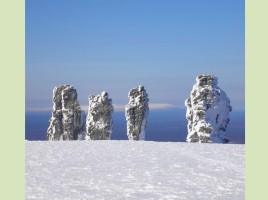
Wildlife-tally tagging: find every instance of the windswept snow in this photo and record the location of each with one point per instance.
(134, 170)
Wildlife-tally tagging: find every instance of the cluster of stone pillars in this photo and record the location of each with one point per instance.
(207, 113)
(65, 123)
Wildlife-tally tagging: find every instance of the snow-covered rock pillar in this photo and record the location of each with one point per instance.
(99, 123)
(208, 110)
(65, 123)
(136, 113)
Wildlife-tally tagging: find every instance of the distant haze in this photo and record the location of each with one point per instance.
(116, 45)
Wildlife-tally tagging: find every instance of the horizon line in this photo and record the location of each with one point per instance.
(117, 107)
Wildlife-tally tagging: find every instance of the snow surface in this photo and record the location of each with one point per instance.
(134, 170)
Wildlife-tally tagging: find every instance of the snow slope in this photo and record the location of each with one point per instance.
(134, 170)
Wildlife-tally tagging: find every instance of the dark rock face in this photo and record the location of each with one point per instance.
(99, 123)
(65, 123)
(208, 110)
(136, 113)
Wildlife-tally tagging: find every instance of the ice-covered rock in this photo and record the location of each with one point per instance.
(136, 113)
(99, 123)
(208, 110)
(65, 123)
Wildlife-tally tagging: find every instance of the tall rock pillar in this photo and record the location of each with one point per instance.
(99, 123)
(208, 110)
(136, 112)
(65, 123)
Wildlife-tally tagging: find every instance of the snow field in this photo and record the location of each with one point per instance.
(134, 170)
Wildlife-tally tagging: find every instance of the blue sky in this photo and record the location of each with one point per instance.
(116, 45)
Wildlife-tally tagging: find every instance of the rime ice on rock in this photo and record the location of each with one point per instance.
(65, 123)
(136, 113)
(99, 123)
(208, 110)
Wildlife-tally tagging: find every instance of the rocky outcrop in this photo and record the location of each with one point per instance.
(208, 110)
(136, 113)
(65, 123)
(99, 119)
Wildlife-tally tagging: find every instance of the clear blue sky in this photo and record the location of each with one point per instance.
(115, 45)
